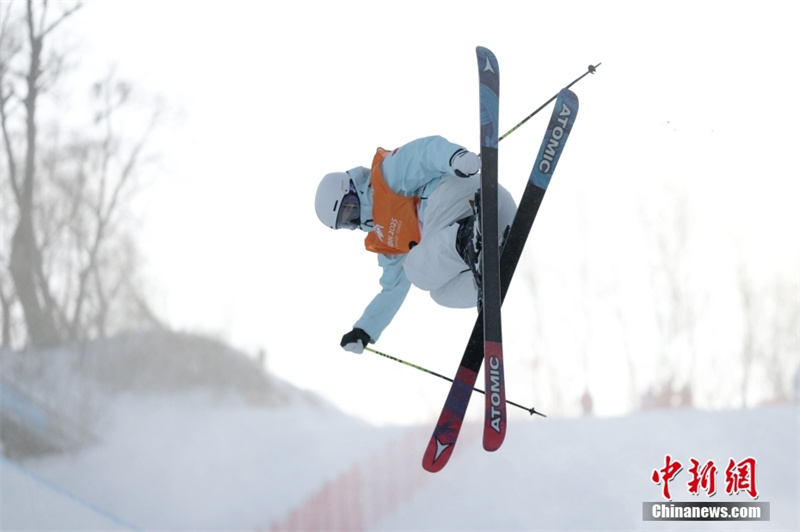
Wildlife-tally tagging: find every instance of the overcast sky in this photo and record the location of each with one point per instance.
(696, 99)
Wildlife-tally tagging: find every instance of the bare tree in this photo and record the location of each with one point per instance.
(96, 182)
(545, 378)
(9, 47)
(617, 309)
(675, 301)
(783, 361)
(770, 336)
(32, 287)
(752, 316)
(72, 265)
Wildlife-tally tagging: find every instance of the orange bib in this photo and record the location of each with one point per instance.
(395, 218)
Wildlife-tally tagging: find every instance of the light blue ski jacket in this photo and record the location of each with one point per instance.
(414, 169)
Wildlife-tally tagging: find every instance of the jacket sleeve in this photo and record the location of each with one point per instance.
(383, 307)
(416, 168)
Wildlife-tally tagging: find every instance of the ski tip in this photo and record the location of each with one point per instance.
(568, 96)
(437, 455)
(486, 53)
(488, 67)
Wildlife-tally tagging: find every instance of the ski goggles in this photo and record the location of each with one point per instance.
(349, 214)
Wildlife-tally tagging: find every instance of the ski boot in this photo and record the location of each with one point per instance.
(468, 243)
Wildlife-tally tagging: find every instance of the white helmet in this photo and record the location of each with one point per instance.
(337, 202)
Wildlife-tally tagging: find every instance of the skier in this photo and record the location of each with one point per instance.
(417, 204)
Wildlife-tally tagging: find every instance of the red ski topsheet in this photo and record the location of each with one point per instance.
(441, 445)
(494, 428)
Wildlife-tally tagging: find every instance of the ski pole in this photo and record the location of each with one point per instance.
(590, 70)
(530, 410)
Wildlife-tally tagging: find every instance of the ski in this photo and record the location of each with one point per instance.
(494, 428)
(442, 442)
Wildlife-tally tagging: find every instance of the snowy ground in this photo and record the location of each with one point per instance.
(186, 463)
(594, 474)
(194, 460)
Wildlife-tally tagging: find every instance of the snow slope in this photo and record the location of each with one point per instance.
(215, 460)
(594, 474)
(197, 462)
(190, 463)
(183, 433)
(28, 502)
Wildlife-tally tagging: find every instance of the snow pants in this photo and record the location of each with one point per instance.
(434, 265)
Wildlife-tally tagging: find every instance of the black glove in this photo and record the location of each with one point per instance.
(355, 341)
